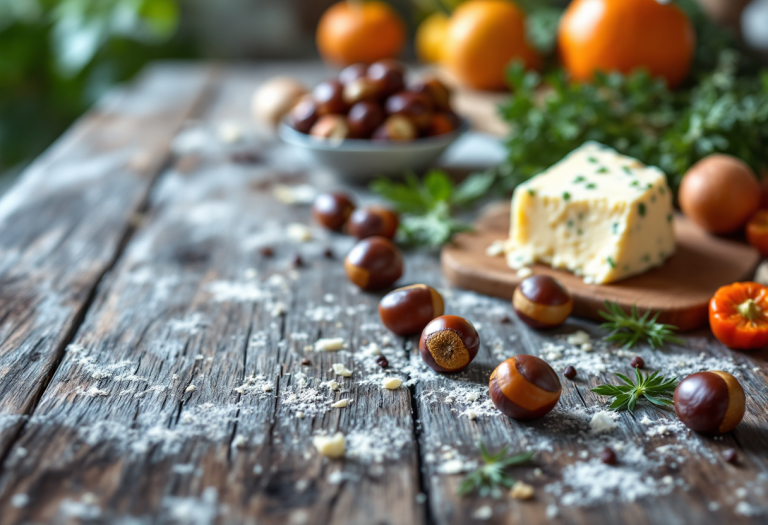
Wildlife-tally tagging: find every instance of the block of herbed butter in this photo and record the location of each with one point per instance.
(599, 214)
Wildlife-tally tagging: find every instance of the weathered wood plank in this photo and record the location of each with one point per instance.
(573, 486)
(115, 435)
(63, 224)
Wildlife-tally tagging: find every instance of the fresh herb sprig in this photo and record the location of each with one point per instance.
(630, 328)
(724, 111)
(428, 206)
(490, 477)
(655, 388)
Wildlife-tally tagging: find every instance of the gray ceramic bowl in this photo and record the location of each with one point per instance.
(361, 160)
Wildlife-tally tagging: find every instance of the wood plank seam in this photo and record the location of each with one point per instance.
(130, 228)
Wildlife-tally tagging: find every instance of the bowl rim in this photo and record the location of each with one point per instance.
(291, 136)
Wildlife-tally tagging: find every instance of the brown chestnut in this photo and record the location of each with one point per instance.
(409, 309)
(542, 302)
(388, 75)
(710, 402)
(364, 118)
(331, 127)
(358, 90)
(524, 387)
(303, 115)
(442, 123)
(415, 106)
(448, 344)
(350, 73)
(329, 97)
(374, 263)
(396, 127)
(332, 210)
(438, 92)
(373, 221)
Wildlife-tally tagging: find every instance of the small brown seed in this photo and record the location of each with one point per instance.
(297, 261)
(569, 372)
(306, 362)
(730, 456)
(266, 251)
(608, 456)
(504, 319)
(328, 253)
(637, 362)
(382, 361)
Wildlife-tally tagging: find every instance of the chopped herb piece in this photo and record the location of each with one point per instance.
(662, 191)
(669, 217)
(592, 159)
(615, 227)
(649, 185)
(627, 170)
(641, 209)
(531, 192)
(570, 223)
(578, 179)
(634, 183)
(629, 328)
(653, 198)
(490, 477)
(646, 258)
(603, 170)
(591, 186)
(655, 388)
(566, 195)
(610, 262)
(581, 216)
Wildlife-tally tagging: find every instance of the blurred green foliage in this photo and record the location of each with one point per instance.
(58, 56)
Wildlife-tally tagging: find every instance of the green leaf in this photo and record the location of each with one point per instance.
(490, 477)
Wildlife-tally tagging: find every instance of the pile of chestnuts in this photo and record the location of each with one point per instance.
(375, 262)
(374, 102)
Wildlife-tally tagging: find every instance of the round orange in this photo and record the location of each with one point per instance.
(355, 31)
(623, 35)
(431, 36)
(484, 37)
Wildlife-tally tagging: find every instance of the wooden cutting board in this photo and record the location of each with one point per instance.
(680, 290)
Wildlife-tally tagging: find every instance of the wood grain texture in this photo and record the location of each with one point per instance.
(680, 289)
(121, 436)
(63, 224)
(120, 430)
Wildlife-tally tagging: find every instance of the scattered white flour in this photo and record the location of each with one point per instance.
(19, 500)
(603, 421)
(193, 511)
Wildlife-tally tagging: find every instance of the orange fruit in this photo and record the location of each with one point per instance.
(430, 37)
(484, 36)
(355, 31)
(623, 35)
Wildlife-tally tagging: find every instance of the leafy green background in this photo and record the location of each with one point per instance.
(58, 56)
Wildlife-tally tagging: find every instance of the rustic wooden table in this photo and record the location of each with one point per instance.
(151, 355)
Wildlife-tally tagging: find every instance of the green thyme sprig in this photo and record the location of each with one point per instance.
(490, 477)
(655, 388)
(428, 206)
(630, 328)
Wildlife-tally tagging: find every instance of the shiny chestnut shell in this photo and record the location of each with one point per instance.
(359, 90)
(332, 210)
(396, 127)
(388, 75)
(351, 72)
(329, 97)
(303, 115)
(409, 309)
(374, 263)
(364, 118)
(524, 387)
(448, 344)
(373, 221)
(415, 106)
(435, 90)
(542, 302)
(710, 402)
